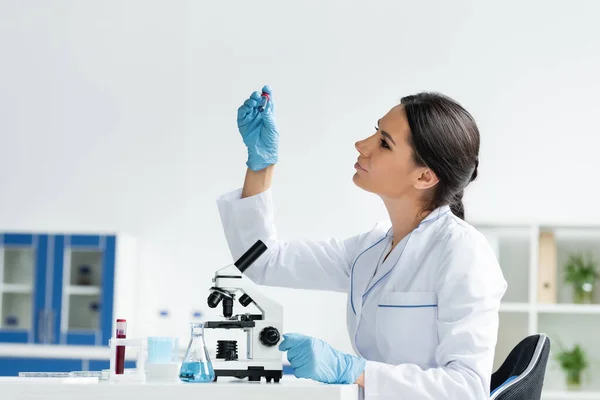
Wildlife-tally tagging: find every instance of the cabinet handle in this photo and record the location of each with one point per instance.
(51, 325)
(41, 331)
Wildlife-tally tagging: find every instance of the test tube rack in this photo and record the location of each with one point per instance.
(132, 374)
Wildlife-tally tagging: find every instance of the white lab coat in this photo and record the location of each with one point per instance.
(426, 319)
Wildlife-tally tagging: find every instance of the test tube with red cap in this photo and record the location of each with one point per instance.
(264, 98)
(121, 334)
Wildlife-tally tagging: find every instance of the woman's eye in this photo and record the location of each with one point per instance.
(384, 144)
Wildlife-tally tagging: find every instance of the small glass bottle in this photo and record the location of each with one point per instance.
(196, 365)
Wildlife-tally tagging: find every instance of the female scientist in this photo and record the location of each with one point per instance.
(424, 289)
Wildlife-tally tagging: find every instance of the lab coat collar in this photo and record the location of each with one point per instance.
(397, 255)
(434, 215)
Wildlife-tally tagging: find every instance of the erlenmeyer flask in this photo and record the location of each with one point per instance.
(196, 365)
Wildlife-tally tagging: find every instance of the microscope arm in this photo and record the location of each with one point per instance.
(231, 279)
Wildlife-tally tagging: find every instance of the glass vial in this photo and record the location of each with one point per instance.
(196, 365)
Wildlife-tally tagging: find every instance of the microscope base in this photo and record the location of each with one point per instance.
(254, 374)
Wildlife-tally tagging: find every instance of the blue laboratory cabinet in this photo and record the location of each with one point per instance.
(56, 288)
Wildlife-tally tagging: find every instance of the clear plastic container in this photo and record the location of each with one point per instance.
(162, 349)
(197, 366)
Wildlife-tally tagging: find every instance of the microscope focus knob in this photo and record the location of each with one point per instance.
(269, 336)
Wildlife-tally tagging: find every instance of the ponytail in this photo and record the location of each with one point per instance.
(456, 205)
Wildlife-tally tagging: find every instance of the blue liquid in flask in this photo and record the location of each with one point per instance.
(196, 372)
(196, 366)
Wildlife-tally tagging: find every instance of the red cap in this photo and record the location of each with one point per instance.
(121, 320)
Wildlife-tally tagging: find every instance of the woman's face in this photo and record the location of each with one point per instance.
(385, 165)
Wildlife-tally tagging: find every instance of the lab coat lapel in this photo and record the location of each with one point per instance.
(362, 272)
(405, 257)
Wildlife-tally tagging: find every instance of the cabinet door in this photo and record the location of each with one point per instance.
(23, 268)
(83, 288)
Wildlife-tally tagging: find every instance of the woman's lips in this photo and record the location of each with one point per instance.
(359, 167)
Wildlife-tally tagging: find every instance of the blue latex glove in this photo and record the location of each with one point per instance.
(314, 359)
(258, 131)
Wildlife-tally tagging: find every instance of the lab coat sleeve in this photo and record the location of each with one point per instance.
(469, 291)
(301, 264)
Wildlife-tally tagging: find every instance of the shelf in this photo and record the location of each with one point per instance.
(83, 290)
(574, 234)
(551, 308)
(569, 308)
(16, 288)
(514, 307)
(571, 395)
(528, 262)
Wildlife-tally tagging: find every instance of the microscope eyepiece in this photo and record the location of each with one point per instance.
(251, 255)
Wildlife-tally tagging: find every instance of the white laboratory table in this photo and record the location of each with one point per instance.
(289, 388)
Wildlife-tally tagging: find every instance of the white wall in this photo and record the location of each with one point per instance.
(122, 116)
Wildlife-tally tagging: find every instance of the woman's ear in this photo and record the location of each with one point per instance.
(425, 179)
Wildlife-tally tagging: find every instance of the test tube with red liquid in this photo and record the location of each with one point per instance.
(121, 334)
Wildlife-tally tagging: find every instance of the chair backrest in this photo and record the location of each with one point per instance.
(521, 375)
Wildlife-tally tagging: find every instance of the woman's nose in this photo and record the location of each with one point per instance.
(365, 146)
(361, 146)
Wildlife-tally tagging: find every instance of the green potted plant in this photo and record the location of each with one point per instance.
(581, 272)
(572, 362)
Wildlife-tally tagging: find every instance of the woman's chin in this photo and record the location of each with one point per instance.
(358, 180)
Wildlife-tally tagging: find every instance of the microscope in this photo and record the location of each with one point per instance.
(263, 331)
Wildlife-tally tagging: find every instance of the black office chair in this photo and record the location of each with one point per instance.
(521, 375)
